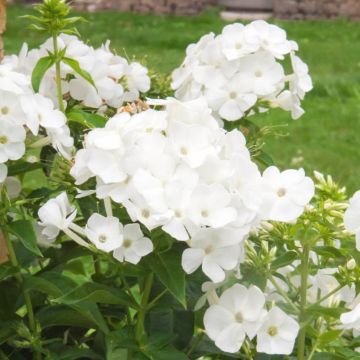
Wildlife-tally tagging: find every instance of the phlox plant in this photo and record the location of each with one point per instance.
(161, 229)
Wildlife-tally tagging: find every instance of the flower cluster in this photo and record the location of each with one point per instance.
(239, 71)
(179, 170)
(21, 112)
(116, 80)
(240, 312)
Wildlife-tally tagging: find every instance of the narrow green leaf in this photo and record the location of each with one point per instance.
(40, 69)
(328, 337)
(98, 293)
(86, 119)
(284, 260)
(74, 64)
(22, 167)
(25, 232)
(167, 267)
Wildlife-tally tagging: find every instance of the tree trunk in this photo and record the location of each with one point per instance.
(2, 26)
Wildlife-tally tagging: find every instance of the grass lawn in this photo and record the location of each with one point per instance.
(326, 137)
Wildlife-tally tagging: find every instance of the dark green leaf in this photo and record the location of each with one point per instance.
(40, 69)
(96, 293)
(284, 260)
(74, 64)
(86, 119)
(22, 167)
(167, 267)
(24, 231)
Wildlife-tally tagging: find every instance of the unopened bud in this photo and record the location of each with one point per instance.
(351, 264)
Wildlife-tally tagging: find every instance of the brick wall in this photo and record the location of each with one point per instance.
(177, 7)
(316, 9)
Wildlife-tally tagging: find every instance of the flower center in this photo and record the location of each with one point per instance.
(281, 192)
(239, 317)
(178, 213)
(238, 46)
(183, 150)
(232, 95)
(5, 110)
(102, 238)
(272, 331)
(40, 117)
(258, 73)
(145, 213)
(204, 213)
(3, 139)
(209, 249)
(127, 243)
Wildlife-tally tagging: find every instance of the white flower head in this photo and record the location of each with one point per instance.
(237, 314)
(285, 194)
(106, 233)
(55, 215)
(12, 141)
(352, 217)
(215, 250)
(135, 245)
(277, 333)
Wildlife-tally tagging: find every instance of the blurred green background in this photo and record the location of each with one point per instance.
(326, 138)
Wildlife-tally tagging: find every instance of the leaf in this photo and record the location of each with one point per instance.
(167, 267)
(97, 293)
(40, 69)
(62, 315)
(328, 251)
(328, 337)
(74, 64)
(326, 311)
(86, 119)
(284, 260)
(264, 159)
(74, 354)
(24, 231)
(22, 167)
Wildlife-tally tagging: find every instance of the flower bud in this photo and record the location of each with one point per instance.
(351, 264)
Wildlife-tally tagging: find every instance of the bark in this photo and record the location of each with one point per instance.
(3, 249)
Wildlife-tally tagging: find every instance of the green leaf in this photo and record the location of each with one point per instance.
(74, 64)
(22, 167)
(328, 337)
(24, 231)
(98, 293)
(86, 119)
(167, 267)
(284, 260)
(326, 311)
(62, 315)
(264, 159)
(40, 69)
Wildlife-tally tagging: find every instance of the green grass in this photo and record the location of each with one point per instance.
(327, 136)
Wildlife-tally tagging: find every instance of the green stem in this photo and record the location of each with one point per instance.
(27, 298)
(303, 296)
(195, 343)
(332, 292)
(282, 293)
(58, 73)
(156, 299)
(139, 332)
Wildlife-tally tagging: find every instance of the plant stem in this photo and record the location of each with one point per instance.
(195, 343)
(58, 73)
(139, 332)
(303, 296)
(27, 298)
(156, 299)
(332, 292)
(282, 293)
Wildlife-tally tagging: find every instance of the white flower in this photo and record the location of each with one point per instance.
(61, 140)
(302, 83)
(260, 73)
(351, 319)
(210, 206)
(11, 81)
(352, 217)
(285, 194)
(215, 250)
(39, 111)
(12, 140)
(55, 215)
(10, 108)
(106, 233)
(277, 333)
(3, 172)
(137, 80)
(238, 40)
(237, 314)
(134, 246)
